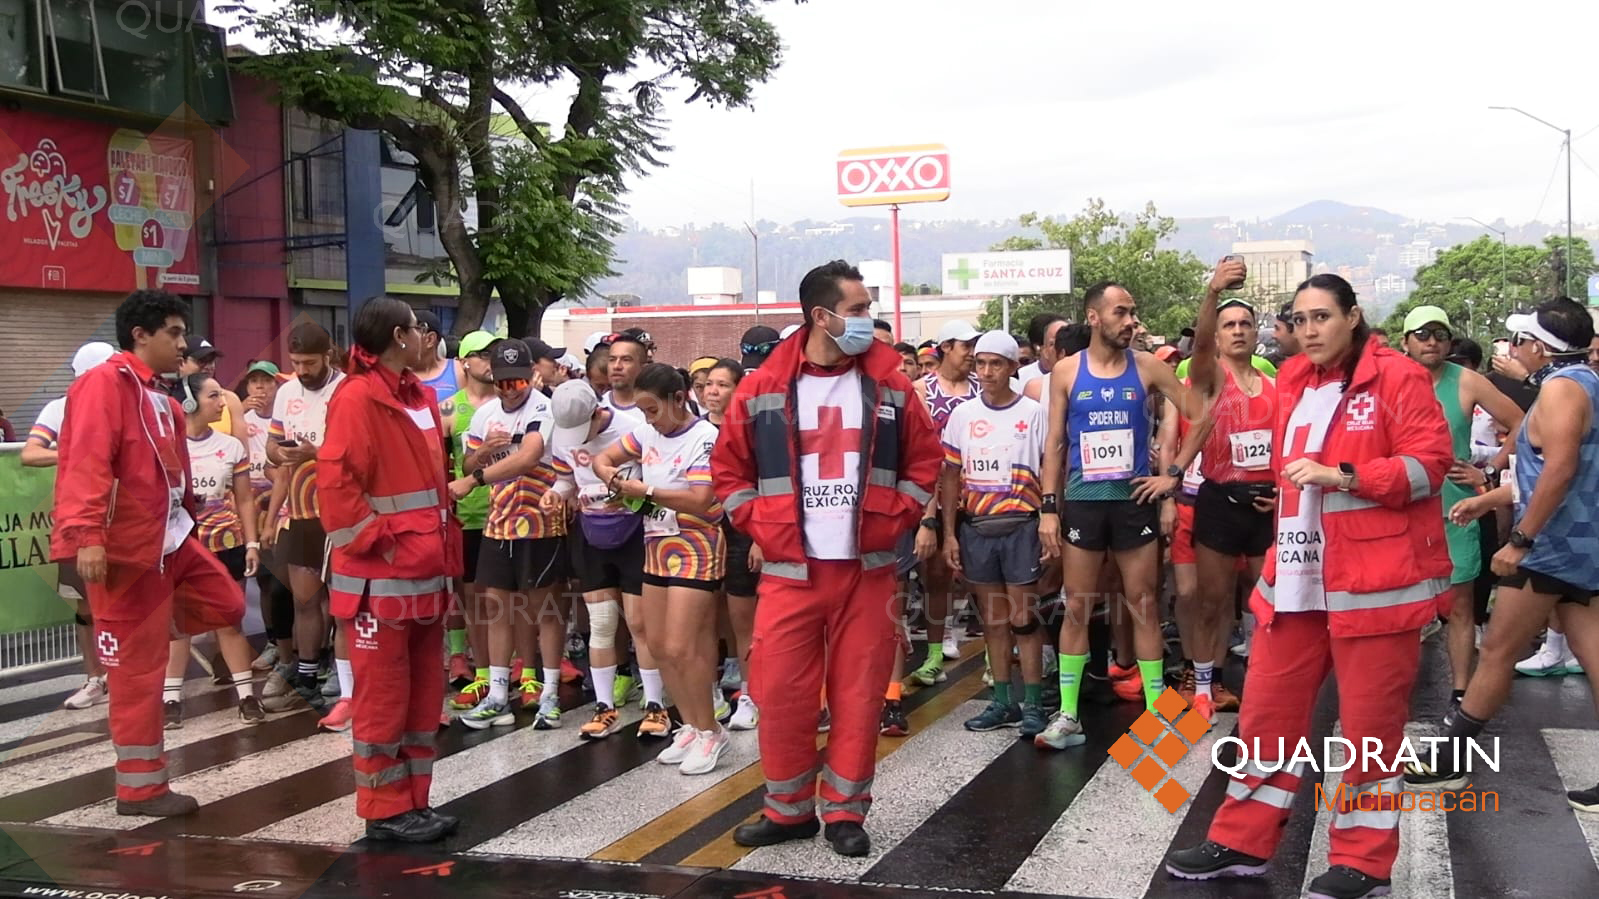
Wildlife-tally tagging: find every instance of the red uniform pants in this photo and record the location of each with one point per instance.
(136, 611)
(399, 691)
(1287, 663)
(841, 628)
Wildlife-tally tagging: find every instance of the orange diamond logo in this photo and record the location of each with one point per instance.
(1157, 741)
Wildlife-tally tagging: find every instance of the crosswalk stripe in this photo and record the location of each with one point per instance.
(589, 822)
(200, 697)
(17, 694)
(335, 823)
(38, 747)
(1115, 862)
(1576, 756)
(724, 853)
(935, 761)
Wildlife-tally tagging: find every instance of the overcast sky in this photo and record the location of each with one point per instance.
(1244, 109)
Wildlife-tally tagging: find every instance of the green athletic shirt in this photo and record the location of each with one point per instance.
(1465, 548)
(474, 509)
(1261, 363)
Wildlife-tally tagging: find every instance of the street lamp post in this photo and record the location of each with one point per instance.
(755, 238)
(1502, 279)
(1567, 133)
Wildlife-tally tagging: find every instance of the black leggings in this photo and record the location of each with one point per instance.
(1488, 533)
(276, 599)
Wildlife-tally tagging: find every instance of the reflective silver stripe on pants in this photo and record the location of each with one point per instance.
(391, 774)
(141, 778)
(794, 571)
(1339, 501)
(346, 536)
(1270, 795)
(870, 561)
(139, 753)
(780, 486)
(373, 750)
(1420, 487)
(791, 809)
(404, 502)
(419, 738)
(1339, 601)
(855, 806)
(738, 498)
(386, 586)
(419, 767)
(1379, 819)
(922, 497)
(1253, 768)
(844, 785)
(793, 784)
(764, 402)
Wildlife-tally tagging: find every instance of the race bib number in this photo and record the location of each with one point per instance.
(1251, 449)
(1192, 478)
(1509, 479)
(1107, 455)
(661, 522)
(987, 469)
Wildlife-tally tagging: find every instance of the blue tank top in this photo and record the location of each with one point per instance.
(1568, 545)
(444, 389)
(1107, 427)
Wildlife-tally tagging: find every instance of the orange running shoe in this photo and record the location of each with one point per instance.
(338, 718)
(460, 668)
(1127, 683)
(1225, 699)
(1204, 707)
(1185, 685)
(470, 695)
(570, 673)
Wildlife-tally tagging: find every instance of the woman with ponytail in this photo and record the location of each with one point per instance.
(1359, 565)
(395, 544)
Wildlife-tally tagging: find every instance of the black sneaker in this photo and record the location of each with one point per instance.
(1210, 860)
(1584, 800)
(894, 722)
(250, 711)
(1344, 882)
(848, 838)
(763, 831)
(308, 689)
(1420, 776)
(172, 714)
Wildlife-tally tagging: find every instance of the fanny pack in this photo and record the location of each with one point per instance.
(609, 530)
(999, 525)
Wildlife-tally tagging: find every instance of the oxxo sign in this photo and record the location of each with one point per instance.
(882, 176)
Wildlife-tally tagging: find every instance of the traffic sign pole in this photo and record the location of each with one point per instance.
(893, 210)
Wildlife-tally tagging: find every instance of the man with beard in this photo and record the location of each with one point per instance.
(1099, 426)
(1427, 339)
(299, 425)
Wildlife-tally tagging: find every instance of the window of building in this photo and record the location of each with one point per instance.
(426, 220)
(300, 175)
(21, 44)
(146, 66)
(74, 38)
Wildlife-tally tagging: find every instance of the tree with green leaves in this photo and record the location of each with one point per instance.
(1107, 246)
(440, 77)
(1481, 282)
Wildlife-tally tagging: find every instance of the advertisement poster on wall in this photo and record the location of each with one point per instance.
(94, 207)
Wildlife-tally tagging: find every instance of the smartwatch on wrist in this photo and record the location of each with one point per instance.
(1172, 471)
(1346, 474)
(477, 475)
(930, 523)
(1520, 540)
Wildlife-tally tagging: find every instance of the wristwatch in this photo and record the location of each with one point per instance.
(477, 475)
(649, 492)
(1346, 474)
(1172, 471)
(1520, 540)
(930, 523)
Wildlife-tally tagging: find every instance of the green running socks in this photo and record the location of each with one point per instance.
(1032, 694)
(1002, 693)
(457, 640)
(1071, 682)
(1154, 675)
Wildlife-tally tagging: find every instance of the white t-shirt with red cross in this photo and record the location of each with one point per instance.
(828, 408)
(1301, 540)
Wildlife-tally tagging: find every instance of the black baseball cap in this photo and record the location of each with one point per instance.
(756, 344)
(429, 321)
(510, 360)
(200, 348)
(542, 350)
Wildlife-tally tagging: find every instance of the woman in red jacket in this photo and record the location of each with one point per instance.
(1358, 567)
(380, 477)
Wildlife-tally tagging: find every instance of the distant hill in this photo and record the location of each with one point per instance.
(1332, 212)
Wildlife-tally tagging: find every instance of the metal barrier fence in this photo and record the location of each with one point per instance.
(35, 626)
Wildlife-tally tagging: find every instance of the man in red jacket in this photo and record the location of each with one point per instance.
(826, 439)
(123, 513)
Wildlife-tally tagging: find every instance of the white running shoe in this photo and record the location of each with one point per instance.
(486, 714)
(720, 706)
(1543, 663)
(93, 692)
(266, 659)
(682, 740)
(549, 714)
(705, 752)
(952, 645)
(746, 716)
(732, 676)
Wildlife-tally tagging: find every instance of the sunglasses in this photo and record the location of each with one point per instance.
(512, 384)
(759, 349)
(1438, 333)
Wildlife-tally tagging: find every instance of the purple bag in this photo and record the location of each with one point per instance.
(609, 530)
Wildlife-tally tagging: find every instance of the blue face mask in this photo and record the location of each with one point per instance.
(858, 334)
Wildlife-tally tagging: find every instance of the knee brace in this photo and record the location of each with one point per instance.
(1022, 630)
(604, 617)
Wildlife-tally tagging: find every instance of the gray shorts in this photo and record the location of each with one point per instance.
(1010, 560)
(905, 554)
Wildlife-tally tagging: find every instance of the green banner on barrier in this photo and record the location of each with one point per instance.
(28, 596)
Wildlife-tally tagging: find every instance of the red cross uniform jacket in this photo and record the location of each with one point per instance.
(381, 484)
(120, 461)
(756, 471)
(1385, 565)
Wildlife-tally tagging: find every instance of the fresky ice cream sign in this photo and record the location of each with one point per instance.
(93, 207)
